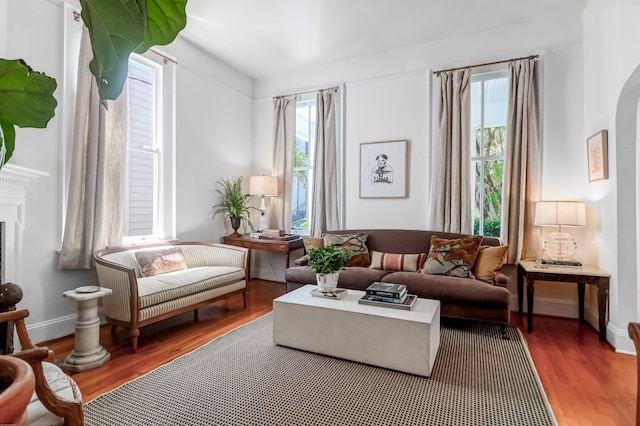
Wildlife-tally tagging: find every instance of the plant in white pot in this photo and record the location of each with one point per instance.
(327, 262)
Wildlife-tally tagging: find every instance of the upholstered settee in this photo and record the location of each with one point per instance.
(467, 298)
(154, 282)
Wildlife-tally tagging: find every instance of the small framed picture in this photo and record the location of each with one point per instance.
(597, 160)
(383, 169)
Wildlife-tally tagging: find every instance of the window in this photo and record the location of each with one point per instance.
(149, 175)
(303, 167)
(489, 100)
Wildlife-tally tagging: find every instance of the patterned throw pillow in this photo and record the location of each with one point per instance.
(452, 257)
(154, 262)
(312, 243)
(490, 259)
(356, 242)
(397, 262)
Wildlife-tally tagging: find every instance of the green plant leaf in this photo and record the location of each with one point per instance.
(8, 139)
(165, 19)
(116, 28)
(26, 96)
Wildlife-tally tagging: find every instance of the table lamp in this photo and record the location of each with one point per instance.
(264, 186)
(560, 245)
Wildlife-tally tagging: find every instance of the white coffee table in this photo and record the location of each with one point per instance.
(400, 340)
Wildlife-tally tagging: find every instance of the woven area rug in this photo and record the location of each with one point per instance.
(243, 378)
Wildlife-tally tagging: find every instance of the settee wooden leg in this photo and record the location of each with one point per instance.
(113, 328)
(244, 299)
(503, 331)
(195, 315)
(134, 333)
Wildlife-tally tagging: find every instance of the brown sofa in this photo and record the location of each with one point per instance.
(460, 297)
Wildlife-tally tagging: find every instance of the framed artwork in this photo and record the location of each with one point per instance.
(597, 156)
(383, 169)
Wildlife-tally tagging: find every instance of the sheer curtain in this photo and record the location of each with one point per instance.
(450, 197)
(325, 186)
(522, 165)
(96, 184)
(283, 160)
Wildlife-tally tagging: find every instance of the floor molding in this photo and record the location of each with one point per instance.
(54, 328)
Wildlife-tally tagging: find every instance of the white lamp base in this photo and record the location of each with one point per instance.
(560, 246)
(262, 224)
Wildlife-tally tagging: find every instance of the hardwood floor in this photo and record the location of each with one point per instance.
(587, 383)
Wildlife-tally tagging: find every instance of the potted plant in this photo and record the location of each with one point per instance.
(327, 262)
(233, 204)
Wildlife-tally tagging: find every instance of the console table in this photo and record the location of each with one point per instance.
(530, 271)
(281, 246)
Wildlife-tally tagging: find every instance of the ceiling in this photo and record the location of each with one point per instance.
(263, 37)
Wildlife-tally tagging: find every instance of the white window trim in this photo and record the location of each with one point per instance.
(166, 221)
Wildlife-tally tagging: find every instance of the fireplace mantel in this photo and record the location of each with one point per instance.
(13, 183)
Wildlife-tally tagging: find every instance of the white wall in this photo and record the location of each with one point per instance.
(611, 58)
(213, 140)
(388, 97)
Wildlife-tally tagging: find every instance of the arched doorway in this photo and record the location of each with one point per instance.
(628, 182)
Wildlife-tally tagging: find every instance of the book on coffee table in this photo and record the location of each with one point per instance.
(338, 293)
(408, 304)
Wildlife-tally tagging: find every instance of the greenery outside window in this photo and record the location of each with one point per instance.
(489, 100)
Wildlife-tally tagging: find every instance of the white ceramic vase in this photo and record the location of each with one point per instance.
(327, 282)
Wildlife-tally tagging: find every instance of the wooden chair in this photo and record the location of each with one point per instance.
(634, 333)
(57, 398)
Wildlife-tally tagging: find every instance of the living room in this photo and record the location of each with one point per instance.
(224, 129)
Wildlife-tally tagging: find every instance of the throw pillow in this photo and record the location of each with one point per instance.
(356, 242)
(397, 262)
(312, 243)
(490, 259)
(154, 262)
(452, 257)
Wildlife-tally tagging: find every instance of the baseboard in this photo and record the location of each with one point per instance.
(553, 307)
(54, 328)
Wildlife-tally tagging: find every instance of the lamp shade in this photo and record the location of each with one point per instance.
(563, 213)
(263, 185)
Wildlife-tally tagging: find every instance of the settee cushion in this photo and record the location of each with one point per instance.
(453, 257)
(173, 285)
(489, 261)
(397, 262)
(451, 289)
(160, 261)
(357, 243)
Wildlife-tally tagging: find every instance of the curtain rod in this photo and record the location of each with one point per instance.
(77, 17)
(487, 63)
(336, 88)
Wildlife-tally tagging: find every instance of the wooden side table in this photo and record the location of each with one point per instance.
(87, 352)
(246, 241)
(530, 271)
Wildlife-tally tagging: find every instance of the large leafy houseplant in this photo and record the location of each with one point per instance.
(232, 203)
(116, 28)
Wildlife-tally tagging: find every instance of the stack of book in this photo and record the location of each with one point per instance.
(559, 263)
(277, 234)
(339, 293)
(388, 295)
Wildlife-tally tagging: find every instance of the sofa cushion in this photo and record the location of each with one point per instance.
(173, 285)
(397, 262)
(160, 261)
(312, 243)
(453, 257)
(357, 278)
(355, 242)
(450, 289)
(489, 261)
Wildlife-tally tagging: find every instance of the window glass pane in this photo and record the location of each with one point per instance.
(303, 167)
(140, 193)
(489, 98)
(299, 200)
